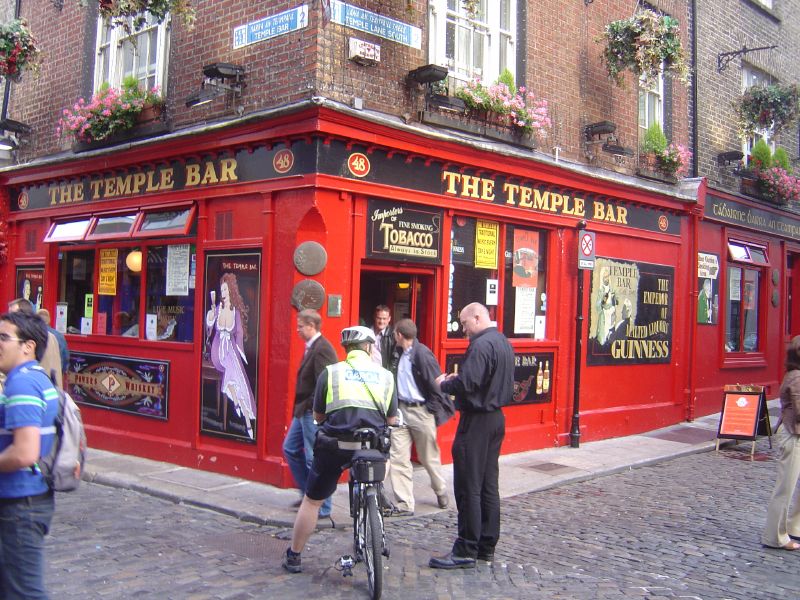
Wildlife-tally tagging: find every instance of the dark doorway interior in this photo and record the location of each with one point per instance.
(406, 294)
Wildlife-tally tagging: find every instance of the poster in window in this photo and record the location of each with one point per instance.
(177, 283)
(462, 241)
(30, 285)
(707, 288)
(229, 374)
(749, 295)
(526, 259)
(630, 319)
(735, 284)
(525, 310)
(486, 236)
(107, 284)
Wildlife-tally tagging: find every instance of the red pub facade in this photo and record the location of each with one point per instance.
(176, 263)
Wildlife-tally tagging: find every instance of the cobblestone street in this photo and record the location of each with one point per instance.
(686, 528)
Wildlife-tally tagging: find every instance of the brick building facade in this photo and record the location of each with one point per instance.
(337, 183)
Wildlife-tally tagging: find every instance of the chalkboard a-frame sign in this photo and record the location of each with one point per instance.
(744, 415)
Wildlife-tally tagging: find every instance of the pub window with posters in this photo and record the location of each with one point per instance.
(128, 286)
(518, 284)
(742, 300)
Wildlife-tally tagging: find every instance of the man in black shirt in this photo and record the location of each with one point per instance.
(484, 384)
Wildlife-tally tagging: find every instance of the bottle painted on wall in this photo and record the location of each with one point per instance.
(539, 380)
(546, 378)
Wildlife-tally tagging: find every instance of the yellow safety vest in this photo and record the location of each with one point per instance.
(345, 387)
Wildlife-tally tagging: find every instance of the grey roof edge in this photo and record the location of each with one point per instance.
(684, 191)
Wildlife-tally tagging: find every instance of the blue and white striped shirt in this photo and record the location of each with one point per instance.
(28, 399)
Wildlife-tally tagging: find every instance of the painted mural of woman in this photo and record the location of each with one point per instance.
(228, 322)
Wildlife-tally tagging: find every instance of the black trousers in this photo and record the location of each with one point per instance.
(476, 450)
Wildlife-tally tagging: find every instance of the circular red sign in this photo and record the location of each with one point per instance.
(663, 222)
(586, 244)
(358, 164)
(283, 161)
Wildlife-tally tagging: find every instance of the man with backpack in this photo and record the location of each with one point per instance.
(28, 409)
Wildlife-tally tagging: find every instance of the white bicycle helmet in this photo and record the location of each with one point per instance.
(357, 335)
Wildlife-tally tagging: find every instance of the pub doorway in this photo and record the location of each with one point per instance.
(408, 294)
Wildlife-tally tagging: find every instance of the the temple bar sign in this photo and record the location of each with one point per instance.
(501, 190)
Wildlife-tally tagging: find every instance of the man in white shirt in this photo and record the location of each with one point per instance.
(384, 336)
(419, 398)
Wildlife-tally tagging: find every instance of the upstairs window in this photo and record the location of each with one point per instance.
(752, 76)
(142, 53)
(480, 45)
(651, 104)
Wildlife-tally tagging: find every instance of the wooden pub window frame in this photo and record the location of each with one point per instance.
(743, 357)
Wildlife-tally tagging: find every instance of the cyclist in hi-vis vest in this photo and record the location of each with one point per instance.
(349, 395)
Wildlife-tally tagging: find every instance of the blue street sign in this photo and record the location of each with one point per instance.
(270, 27)
(369, 22)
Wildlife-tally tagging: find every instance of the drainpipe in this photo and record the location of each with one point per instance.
(695, 143)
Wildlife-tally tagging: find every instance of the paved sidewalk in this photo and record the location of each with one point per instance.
(519, 473)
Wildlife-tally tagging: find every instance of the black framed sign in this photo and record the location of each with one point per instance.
(396, 231)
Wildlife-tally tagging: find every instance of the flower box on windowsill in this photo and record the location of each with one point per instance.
(655, 174)
(477, 124)
(145, 130)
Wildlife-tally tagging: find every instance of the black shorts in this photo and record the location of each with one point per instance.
(327, 468)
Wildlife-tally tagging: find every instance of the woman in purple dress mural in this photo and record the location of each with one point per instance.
(228, 321)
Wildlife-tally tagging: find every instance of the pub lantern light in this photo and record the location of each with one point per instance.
(11, 132)
(727, 158)
(134, 261)
(427, 74)
(218, 78)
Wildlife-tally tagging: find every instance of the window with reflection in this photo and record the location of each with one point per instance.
(525, 283)
(741, 309)
(119, 282)
(170, 299)
(467, 282)
(76, 287)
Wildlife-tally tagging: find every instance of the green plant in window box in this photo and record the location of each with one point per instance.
(120, 11)
(769, 176)
(766, 107)
(109, 111)
(18, 50)
(659, 156)
(643, 44)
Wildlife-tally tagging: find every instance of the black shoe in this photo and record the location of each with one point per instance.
(443, 501)
(291, 561)
(486, 556)
(450, 561)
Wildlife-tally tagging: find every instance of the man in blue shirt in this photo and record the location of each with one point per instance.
(28, 408)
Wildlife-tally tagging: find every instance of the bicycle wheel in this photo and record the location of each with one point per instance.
(373, 540)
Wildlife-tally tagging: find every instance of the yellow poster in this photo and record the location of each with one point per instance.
(108, 272)
(486, 233)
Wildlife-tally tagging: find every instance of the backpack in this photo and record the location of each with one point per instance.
(63, 465)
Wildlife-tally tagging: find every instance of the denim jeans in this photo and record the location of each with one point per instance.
(23, 526)
(298, 448)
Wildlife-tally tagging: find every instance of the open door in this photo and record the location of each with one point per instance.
(408, 294)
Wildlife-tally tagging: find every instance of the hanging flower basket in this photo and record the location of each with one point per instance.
(120, 11)
(767, 107)
(109, 112)
(641, 44)
(18, 50)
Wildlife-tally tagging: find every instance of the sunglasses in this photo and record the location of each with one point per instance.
(4, 337)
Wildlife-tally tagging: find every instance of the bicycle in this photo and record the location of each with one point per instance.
(367, 471)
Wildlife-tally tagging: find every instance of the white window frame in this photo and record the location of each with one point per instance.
(113, 48)
(489, 71)
(753, 76)
(765, 3)
(645, 117)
